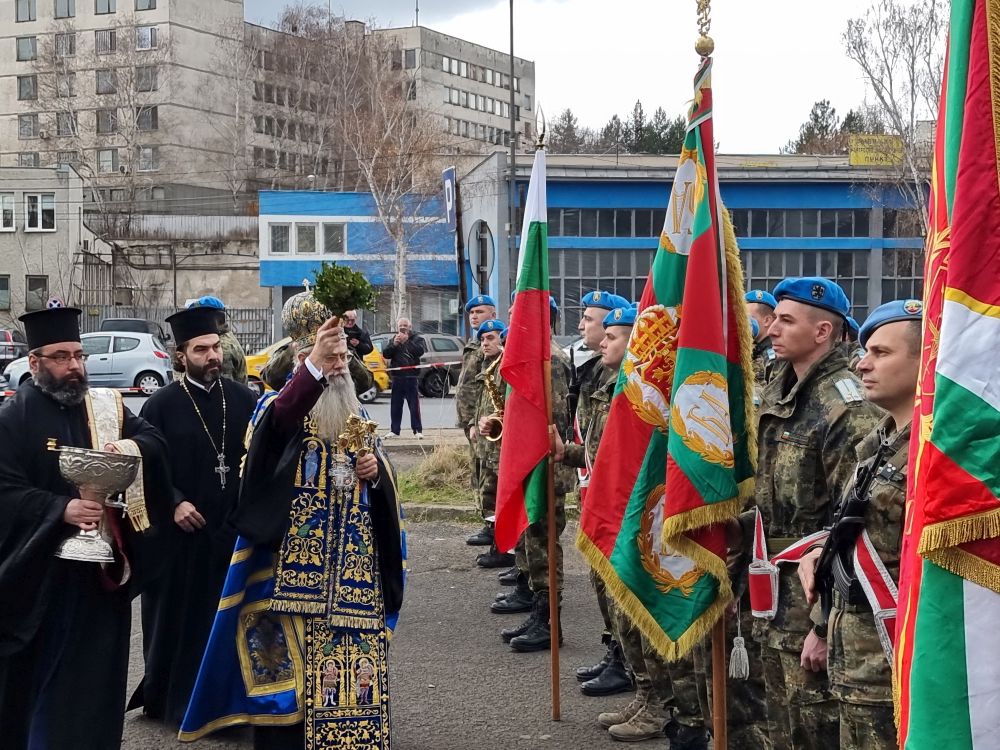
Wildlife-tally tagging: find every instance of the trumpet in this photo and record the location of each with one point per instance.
(494, 422)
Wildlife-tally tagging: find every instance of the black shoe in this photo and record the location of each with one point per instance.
(495, 559)
(507, 634)
(482, 538)
(519, 580)
(508, 577)
(681, 737)
(538, 637)
(518, 600)
(614, 678)
(588, 673)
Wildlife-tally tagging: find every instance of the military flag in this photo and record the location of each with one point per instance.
(947, 674)
(675, 458)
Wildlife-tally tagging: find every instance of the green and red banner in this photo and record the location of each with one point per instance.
(522, 480)
(947, 676)
(675, 458)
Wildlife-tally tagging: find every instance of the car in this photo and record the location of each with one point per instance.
(114, 360)
(444, 351)
(12, 346)
(135, 325)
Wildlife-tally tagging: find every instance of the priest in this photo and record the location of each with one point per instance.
(204, 418)
(300, 642)
(65, 623)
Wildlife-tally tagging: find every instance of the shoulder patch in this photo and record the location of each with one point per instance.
(849, 391)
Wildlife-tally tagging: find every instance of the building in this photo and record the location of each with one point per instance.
(794, 216)
(300, 230)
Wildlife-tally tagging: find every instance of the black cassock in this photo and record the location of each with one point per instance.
(179, 607)
(64, 625)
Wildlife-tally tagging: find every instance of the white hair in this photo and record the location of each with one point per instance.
(337, 402)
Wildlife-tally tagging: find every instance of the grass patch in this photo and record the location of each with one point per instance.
(442, 478)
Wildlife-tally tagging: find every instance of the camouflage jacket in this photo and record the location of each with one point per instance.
(588, 376)
(487, 451)
(234, 359)
(763, 361)
(594, 409)
(565, 477)
(469, 388)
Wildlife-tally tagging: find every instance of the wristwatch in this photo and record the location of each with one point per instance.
(820, 630)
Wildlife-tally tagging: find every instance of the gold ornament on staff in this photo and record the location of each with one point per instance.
(358, 436)
(705, 45)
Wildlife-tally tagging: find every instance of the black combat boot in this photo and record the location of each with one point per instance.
(509, 633)
(538, 636)
(588, 673)
(681, 737)
(509, 576)
(482, 538)
(518, 600)
(495, 559)
(614, 678)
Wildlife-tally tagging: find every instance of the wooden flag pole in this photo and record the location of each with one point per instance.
(719, 684)
(552, 536)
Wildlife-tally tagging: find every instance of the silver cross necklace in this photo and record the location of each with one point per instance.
(220, 451)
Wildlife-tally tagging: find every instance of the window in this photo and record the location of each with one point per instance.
(279, 95)
(66, 84)
(147, 118)
(269, 93)
(454, 66)
(409, 59)
(443, 345)
(67, 157)
(65, 8)
(333, 239)
(36, 292)
(107, 121)
(463, 98)
(148, 158)
(827, 223)
(26, 10)
(5, 292)
(901, 223)
(28, 159)
(104, 6)
(145, 37)
(27, 88)
(279, 238)
(39, 212)
(27, 48)
(463, 70)
(107, 160)
(105, 41)
(305, 238)
(396, 59)
(527, 102)
(623, 223)
(411, 90)
(145, 4)
(65, 45)
(96, 345)
(27, 127)
(7, 212)
(453, 94)
(125, 344)
(146, 78)
(66, 123)
(445, 63)
(107, 81)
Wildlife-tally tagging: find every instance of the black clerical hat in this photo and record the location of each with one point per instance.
(193, 322)
(51, 326)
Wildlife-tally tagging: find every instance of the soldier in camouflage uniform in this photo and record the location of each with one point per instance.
(760, 308)
(467, 393)
(812, 416)
(860, 664)
(852, 348)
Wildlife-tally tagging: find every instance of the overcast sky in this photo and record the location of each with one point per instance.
(772, 61)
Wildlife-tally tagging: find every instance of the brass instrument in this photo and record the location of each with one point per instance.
(495, 421)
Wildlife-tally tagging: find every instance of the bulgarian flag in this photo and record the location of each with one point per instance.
(947, 670)
(675, 456)
(522, 482)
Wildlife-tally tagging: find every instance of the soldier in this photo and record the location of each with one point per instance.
(860, 636)
(234, 359)
(760, 308)
(855, 351)
(812, 416)
(467, 393)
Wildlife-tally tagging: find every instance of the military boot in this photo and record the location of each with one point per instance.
(538, 637)
(645, 724)
(588, 673)
(482, 538)
(495, 559)
(614, 678)
(507, 634)
(609, 718)
(682, 737)
(509, 576)
(518, 600)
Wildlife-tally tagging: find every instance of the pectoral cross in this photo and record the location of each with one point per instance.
(358, 435)
(222, 470)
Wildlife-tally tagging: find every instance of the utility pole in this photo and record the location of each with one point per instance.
(512, 192)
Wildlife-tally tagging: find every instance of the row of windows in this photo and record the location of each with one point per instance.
(105, 43)
(478, 73)
(404, 59)
(106, 122)
(481, 103)
(307, 239)
(108, 161)
(478, 131)
(27, 10)
(287, 96)
(39, 212)
(290, 161)
(106, 81)
(292, 130)
(812, 222)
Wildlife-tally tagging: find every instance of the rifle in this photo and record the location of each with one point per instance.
(848, 523)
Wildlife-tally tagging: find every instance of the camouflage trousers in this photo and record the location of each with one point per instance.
(602, 601)
(486, 495)
(801, 714)
(531, 555)
(662, 686)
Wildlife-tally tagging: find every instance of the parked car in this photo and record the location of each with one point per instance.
(114, 360)
(442, 349)
(135, 325)
(12, 346)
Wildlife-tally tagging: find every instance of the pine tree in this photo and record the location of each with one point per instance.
(565, 137)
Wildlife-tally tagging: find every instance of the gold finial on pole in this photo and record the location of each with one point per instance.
(540, 128)
(705, 45)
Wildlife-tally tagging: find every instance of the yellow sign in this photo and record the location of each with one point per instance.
(875, 150)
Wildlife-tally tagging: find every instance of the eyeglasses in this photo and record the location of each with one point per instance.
(63, 358)
(345, 357)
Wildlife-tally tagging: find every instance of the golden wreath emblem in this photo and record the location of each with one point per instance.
(686, 195)
(649, 364)
(700, 417)
(668, 569)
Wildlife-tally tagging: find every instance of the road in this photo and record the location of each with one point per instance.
(455, 685)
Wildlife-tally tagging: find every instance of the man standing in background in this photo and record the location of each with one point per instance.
(404, 351)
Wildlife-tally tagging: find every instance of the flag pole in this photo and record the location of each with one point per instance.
(719, 684)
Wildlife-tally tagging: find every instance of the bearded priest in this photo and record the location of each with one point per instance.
(300, 641)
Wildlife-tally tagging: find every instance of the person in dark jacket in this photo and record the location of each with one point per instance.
(358, 339)
(405, 350)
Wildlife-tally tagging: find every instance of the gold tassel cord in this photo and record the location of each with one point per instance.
(135, 495)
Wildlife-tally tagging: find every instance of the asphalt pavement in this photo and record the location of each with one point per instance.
(454, 684)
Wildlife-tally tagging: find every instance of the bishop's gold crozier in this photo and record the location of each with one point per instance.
(100, 476)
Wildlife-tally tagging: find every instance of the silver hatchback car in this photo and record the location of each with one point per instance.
(114, 360)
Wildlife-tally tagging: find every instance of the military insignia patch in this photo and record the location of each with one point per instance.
(649, 364)
(818, 291)
(759, 295)
(618, 314)
(595, 297)
(913, 306)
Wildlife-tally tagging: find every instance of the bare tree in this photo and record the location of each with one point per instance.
(899, 48)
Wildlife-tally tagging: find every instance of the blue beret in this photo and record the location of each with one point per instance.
(604, 300)
(815, 291)
(208, 301)
(764, 298)
(552, 304)
(754, 328)
(621, 316)
(491, 325)
(480, 299)
(852, 324)
(890, 312)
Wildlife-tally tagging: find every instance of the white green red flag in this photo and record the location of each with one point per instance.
(522, 481)
(675, 456)
(947, 670)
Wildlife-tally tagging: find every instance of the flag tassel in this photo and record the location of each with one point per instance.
(739, 659)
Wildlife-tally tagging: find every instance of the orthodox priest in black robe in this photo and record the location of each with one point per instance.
(65, 624)
(204, 418)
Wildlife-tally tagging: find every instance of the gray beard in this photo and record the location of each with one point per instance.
(337, 402)
(66, 392)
